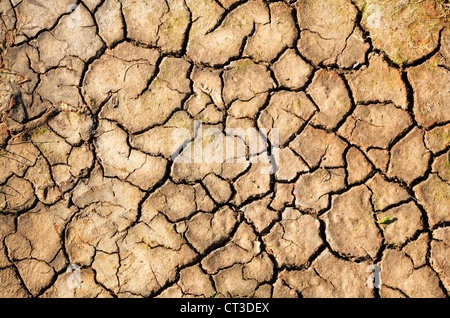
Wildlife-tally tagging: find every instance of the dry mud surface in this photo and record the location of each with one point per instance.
(351, 104)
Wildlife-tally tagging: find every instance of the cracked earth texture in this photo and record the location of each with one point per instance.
(92, 91)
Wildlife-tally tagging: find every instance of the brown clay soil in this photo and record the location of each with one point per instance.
(350, 102)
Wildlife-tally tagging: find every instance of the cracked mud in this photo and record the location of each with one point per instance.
(354, 97)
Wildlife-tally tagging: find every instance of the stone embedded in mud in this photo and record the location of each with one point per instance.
(350, 225)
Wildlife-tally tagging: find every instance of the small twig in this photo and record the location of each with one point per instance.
(39, 121)
(12, 73)
(20, 156)
(29, 142)
(3, 206)
(11, 188)
(14, 159)
(126, 71)
(23, 81)
(11, 103)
